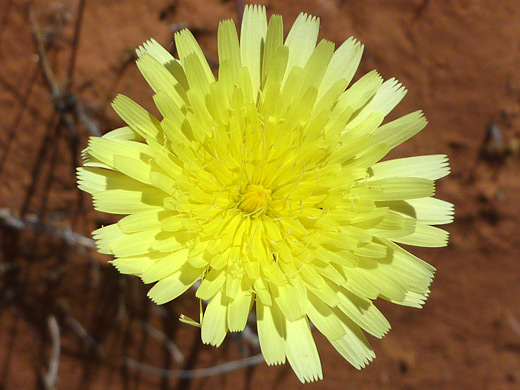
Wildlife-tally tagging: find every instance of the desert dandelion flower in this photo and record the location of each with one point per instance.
(265, 185)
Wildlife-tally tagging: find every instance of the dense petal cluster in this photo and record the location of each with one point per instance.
(265, 185)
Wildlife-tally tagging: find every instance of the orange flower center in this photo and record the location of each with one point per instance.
(255, 199)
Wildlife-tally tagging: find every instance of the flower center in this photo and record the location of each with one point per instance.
(255, 199)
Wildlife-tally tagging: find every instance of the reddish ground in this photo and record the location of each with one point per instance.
(460, 62)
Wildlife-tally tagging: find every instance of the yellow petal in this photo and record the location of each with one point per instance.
(364, 313)
(301, 350)
(134, 244)
(211, 284)
(167, 266)
(273, 41)
(238, 311)
(122, 201)
(301, 40)
(385, 99)
(169, 288)
(317, 64)
(343, 65)
(104, 149)
(214, 324)
(426, 236)
(187, 45)
(145, 220)
(154, 49)
(429, 210)
(228, 46)
(123, 134)
(428, 167)
(137, 169)
(165, 58)
(353, 346)
(400, 188)
(359, 93)
(288, 300)
(195, 75)
(396, 132)
(321, 315)
(271, 333)
(169, 109)
(252, 39)
(160, 79)
(105, 236)
(133, 265)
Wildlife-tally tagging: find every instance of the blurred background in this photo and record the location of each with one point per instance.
(68, 320)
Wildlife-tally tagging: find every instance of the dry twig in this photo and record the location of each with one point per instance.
(32, 223)
(49, 379)
(159, 335)
(65, 104)
(198, 373)
(77, 31)
(251, 337)
(80, 330)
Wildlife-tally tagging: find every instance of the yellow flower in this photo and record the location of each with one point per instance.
(265, 184)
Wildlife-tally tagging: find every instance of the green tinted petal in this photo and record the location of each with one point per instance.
(252, 41)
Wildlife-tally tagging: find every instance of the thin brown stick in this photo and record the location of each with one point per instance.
(61, 100)
(65, 104)
(75, 43)
(87, 120)
(24, 97)
(157, 334)
(80, 330)
(43, 60)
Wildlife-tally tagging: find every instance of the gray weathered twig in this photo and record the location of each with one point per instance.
(49, 379)
(32, 223)
(198, 373)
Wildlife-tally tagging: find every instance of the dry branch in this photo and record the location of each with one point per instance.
(80, 330)
(199, 373)
(159, 335)
(66, 104)
(32, 223)
(49, 379)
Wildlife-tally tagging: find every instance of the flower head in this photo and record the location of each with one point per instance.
(265, 185)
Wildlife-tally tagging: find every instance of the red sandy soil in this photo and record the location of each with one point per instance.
(460, 62)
